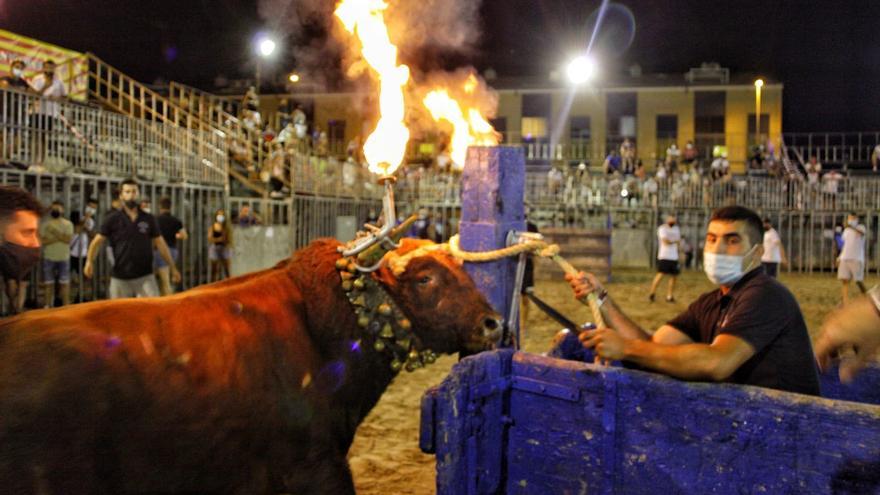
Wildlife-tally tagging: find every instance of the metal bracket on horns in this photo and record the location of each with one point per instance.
(378, 236)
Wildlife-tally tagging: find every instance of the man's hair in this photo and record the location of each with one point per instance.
(57, 203)
(126, 182)
(853, 214)
(17, 61)
(768, 221)
(754, 225)
(13, 199)
(165, 203)
(48, 62)
(91, 201)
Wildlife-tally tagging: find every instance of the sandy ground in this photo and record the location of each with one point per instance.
(385, 457)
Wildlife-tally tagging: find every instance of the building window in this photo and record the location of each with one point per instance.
(336, 134)
(580, 129)
(534, 128)
(536, 110)
(709, 111)
(667, 132)
(621, 115)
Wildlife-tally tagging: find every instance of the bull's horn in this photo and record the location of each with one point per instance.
(374, 253)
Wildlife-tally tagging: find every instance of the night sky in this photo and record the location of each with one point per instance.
(826, 53)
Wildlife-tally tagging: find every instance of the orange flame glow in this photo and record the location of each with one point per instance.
(384, 149)
(469, 126)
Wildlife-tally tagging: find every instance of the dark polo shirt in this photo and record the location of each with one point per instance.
(169, 225)
(761, 311)
(132, 243)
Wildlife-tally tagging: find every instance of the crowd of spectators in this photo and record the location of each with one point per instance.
(43, 115)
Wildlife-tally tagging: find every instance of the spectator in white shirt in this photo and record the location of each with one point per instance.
(47, 109)
(851, 262)
(668, 237)
(774, 253)
(720, 167)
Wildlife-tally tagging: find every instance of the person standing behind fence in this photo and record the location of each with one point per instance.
(19, 241)
(133, 234)
(220, 245)
(851, 262)
(55, 235)
(774, 253)
(48, 110)
(669, 237)
(172, 231)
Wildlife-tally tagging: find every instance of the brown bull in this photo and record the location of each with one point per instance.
(252, 385)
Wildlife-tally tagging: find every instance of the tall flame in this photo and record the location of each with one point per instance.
(384, 149)
(469, 126)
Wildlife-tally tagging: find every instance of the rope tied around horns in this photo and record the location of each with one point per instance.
(398, 263)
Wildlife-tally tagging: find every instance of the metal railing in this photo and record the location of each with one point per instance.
(114, 89)
(681, 192)
(72, 137)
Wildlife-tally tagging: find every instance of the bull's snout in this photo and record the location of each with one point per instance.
(493, 327)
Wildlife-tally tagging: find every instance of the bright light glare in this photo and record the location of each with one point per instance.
(266, 47)
(294, 78)
(759, 83)
(581, 69)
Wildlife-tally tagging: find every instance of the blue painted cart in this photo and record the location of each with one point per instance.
(516, 423)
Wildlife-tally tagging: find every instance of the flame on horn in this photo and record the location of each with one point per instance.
(384, 149)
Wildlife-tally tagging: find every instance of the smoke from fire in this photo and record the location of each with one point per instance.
(324, 51)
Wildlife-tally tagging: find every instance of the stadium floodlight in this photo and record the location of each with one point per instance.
(266, 47)
(581, 69)
(293, 77)
(759, 83)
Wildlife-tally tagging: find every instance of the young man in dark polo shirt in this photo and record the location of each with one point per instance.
(748, 331)
(133, 234)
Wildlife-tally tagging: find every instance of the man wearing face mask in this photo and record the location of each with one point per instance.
(748, 331)
(16, 79)
(20, 247)
(55, 234)
(133, 235)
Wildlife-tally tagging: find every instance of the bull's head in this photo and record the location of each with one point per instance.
(447, 312)
(419, 301)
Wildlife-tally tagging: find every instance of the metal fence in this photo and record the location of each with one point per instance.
(68, 137)
(193, 204)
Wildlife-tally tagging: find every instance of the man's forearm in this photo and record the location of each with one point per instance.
(615, 319)
(687, 361)
(94, 247)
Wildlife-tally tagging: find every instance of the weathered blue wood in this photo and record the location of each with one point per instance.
(629, 432)
(865, 388)
(492, 204)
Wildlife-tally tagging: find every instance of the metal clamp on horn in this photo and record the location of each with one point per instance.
(369, 249)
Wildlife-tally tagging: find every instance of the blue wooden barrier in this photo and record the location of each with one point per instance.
(492, 204)
(519, 423)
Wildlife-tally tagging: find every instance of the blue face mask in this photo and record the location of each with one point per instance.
(725, 269)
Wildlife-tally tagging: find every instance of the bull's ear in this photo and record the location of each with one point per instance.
(372, 255)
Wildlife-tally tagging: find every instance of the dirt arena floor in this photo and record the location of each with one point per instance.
(385, 457)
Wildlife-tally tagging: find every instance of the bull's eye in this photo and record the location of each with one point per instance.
(425, 280)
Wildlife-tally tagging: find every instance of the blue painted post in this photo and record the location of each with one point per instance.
(492, 204)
